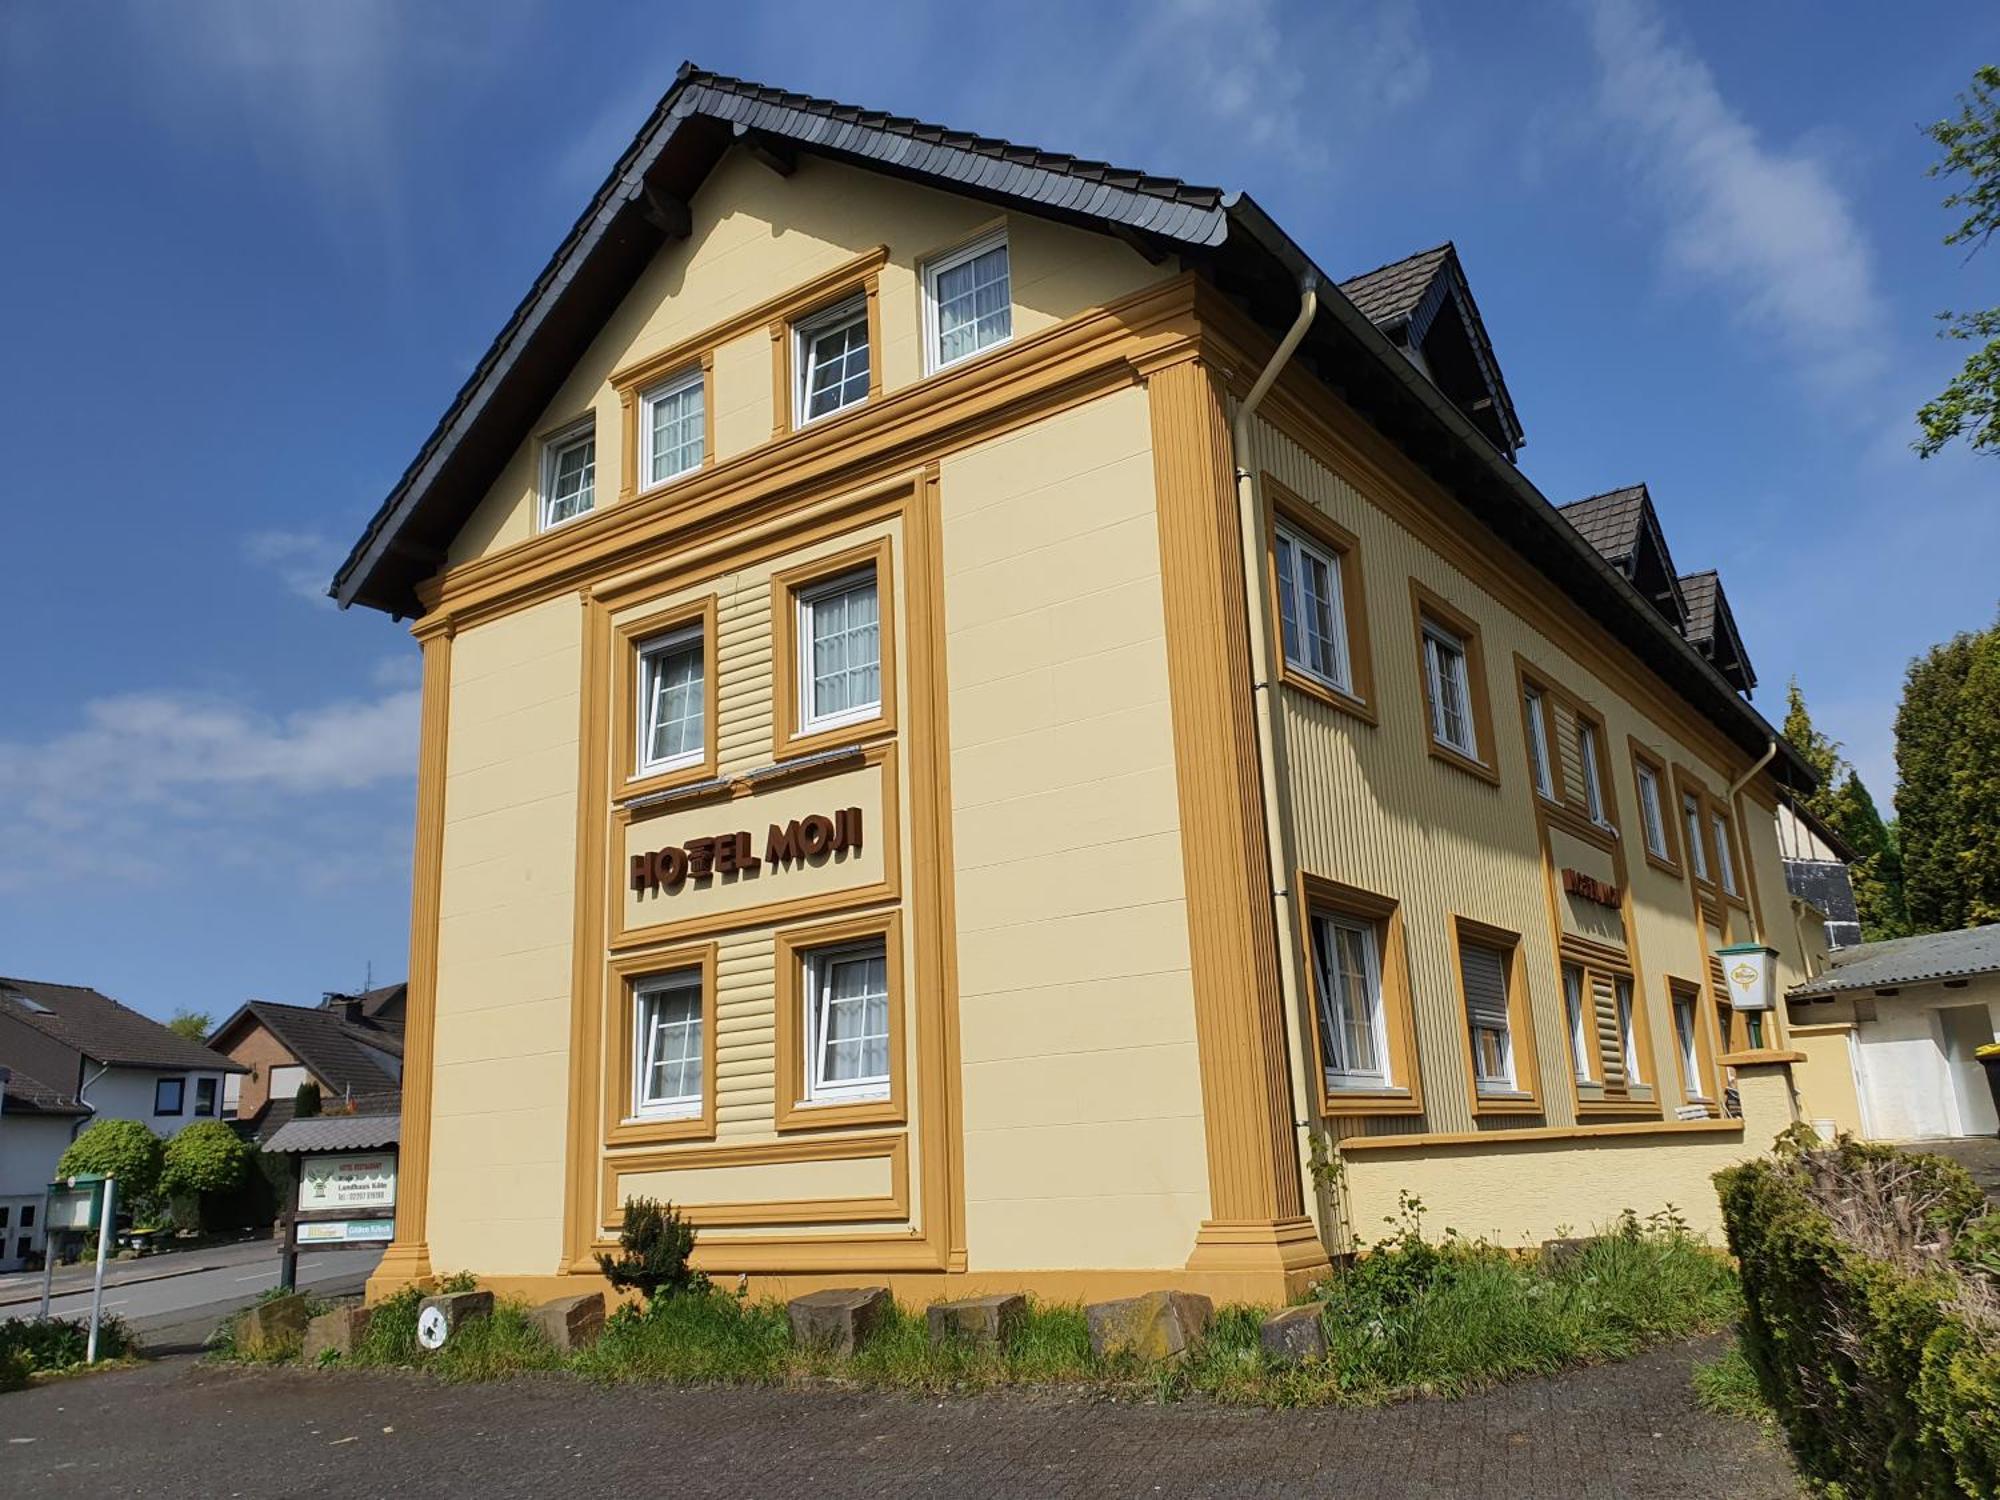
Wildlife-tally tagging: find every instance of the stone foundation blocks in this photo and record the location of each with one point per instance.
(1157, 1326)
(271, 1325)
(440, 1318)
(988, 1322)
(339, 1331)
(1294, 1336)
(571, 1323)
(839, 1320)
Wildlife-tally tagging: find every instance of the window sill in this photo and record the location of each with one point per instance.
(1325, 692)
(1763, 1055)
(1342, 1103)
(884, 1109)
(833, 737)
(1664, 866)
(1459, 760)
(669, 779)
(1547, 1133)
(653, 1130)
(1505, 1104)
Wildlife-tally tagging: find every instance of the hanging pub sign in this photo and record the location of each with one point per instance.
(1590, 888)
(800, 840)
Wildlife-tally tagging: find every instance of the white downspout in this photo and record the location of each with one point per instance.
(1257, 601)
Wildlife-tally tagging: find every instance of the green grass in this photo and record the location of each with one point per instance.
(1727, 1386)
(1411, 1318)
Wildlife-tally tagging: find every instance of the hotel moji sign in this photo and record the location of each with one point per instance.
(800, 840)
(1590, 888)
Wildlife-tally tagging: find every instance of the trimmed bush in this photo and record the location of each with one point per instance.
(654, 1244)
(1879, 1352)
(125, 1149)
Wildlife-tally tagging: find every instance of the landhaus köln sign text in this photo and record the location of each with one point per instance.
(806, 838)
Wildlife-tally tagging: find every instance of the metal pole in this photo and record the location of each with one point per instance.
(48, 1254)
(103, 1251)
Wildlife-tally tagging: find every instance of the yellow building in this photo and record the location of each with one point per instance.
(986, 727)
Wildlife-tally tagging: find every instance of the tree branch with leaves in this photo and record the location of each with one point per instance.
(1969, 407)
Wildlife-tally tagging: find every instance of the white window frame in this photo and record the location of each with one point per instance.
(840, 315)
(691, 379)
(804, 601)
(1292, 548)
(1332, 1000)
(1535, 702)
(232, 1094)
(1697, 848)
(1719, 825)
(649, 652)
(936, 267)
(552, 451)
(1439, 641)
(817, 962)
(1581, 1008)
(646, 991)
(1593, 783)
(1652, 812)
(1689, 1043)
(1626, 1004)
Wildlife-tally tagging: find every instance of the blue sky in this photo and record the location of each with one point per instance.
(251, 248)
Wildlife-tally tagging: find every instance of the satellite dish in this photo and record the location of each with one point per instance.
(433, 1328)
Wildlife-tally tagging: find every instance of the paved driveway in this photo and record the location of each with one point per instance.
(1978, 1154)
(1625, 1432)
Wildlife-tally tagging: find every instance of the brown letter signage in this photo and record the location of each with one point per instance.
(801, 840)
(1591, 889)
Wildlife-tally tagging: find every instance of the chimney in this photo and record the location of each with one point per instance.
(350, 1009)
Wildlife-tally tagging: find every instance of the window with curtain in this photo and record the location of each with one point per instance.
(1651, 819)
(1686, 1018)
(1484, 970)
(1348, 964)
(1538, 742)
(970, 297)
(672, 701)
(668, 1046)
(1582, 1023)
(847, 1025)
(840, 631)
(1311, 611)
(673, 428)
(1724, 859)
(831, 358)
(569, 478)
(1628, 1033)
(1446, 680)
(1697, 853)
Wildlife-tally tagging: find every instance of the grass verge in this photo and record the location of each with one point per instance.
(1727, 1386)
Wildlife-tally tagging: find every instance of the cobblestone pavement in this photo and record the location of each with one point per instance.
(1629, 1431)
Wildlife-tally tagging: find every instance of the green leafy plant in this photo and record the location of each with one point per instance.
(60, 1343)
(207, 1157)
(195, 1025)
(124, 1149)
(654, 1244)
(305, 1101)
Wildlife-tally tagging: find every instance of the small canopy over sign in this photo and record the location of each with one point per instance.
(337, 1133)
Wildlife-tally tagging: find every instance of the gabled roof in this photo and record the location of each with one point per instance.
(333, 1050)
(103, 1030)
(1423, 303)
(1909, 960)
(1624, 527)
(1711, 627)
(22, 1095)
(1226, 238)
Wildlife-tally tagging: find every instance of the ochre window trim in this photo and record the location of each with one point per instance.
(1426, 606)
(1570, 808)
(787, 741)
(857, 280)
(1706, 1046)
(1708, 808)
(1663, 780)
(628, 641)
(1603, 1097)
(631, 407)
(627, 972)
(1405, 1096)
(1285, 507)
(1527, 1098)
(790, 946)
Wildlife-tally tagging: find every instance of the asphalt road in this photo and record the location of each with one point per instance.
(177, 1428)
(175, 1301)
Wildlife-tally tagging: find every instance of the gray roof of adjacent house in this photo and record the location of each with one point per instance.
(22, 1095)
(1911, 960)
(336, 1050)
(1226, 238)
(338, 1133)
(103, 1030)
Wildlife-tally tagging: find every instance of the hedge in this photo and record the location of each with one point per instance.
(1877, 1346)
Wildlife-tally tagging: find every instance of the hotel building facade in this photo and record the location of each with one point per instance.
(985, 726)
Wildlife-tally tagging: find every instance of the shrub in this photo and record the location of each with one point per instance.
(125, 1149)
(207, 1157)
(61, 1342)
(1879, 1352)
(654, 1245)
(305, 1101)
(14, 1370)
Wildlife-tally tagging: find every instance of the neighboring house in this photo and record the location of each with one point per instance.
(868, 796)
(76, 1055)
(1907, 1016)
(1816, 872)
(350, 1045)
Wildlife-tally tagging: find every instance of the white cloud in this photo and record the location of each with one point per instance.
(303, 560)
(165, 785)
(1768, 226)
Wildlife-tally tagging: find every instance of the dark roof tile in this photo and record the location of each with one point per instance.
(1393, 291)
(1610, 522)
(102, 1029)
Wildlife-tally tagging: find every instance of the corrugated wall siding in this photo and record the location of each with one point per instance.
(1372, 808)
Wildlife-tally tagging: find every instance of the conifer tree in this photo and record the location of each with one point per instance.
(1948, 783)
(1842, 802)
